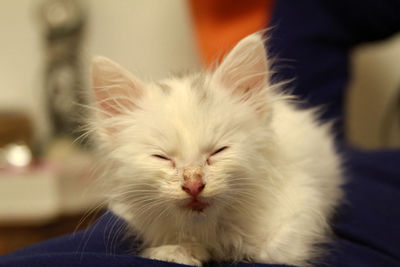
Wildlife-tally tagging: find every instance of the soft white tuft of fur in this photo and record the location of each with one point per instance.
(271, 193)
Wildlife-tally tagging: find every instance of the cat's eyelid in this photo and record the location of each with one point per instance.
(219, 150)
(161, 156)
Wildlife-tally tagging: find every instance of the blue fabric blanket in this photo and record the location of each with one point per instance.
(312, 39)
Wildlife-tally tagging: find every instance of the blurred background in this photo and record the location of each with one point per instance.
(46, 48)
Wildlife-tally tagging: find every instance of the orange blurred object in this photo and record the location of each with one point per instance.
(220, 24)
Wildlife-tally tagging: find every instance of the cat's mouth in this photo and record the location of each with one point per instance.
(196, 205)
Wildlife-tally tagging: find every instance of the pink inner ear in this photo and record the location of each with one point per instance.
(244, 73)
(244, 70)
(112, 98)
(253, 81)
(115, 88)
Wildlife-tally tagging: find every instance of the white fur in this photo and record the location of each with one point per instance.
(270, 193)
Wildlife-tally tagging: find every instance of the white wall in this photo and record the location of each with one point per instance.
(151, 37)
(20, 54)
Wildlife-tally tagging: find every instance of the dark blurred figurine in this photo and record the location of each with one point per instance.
(63, 22)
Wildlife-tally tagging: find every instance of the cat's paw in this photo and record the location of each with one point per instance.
(281, 250)
(176, 253)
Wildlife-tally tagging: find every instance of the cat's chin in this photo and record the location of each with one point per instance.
(195, 205)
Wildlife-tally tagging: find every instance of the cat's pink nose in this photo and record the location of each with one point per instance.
(193, 188)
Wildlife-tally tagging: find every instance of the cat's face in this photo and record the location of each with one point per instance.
(190, 145)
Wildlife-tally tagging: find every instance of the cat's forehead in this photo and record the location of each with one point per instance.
(194, 101)
(185, 109)
(182, 100)
(184, 97)
(189, 85)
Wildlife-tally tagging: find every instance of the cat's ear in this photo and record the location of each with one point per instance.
(244, 71)
(115, 89)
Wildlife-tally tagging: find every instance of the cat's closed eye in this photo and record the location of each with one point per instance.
(219, 150)
(164, 158)
(161, 157)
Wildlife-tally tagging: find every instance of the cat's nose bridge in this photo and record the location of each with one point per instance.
(194, 173)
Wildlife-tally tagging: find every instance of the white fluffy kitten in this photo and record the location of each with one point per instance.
(216, 165)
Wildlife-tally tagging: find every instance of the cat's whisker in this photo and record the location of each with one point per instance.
(146, 203)
(229, 205)
(92, 211)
